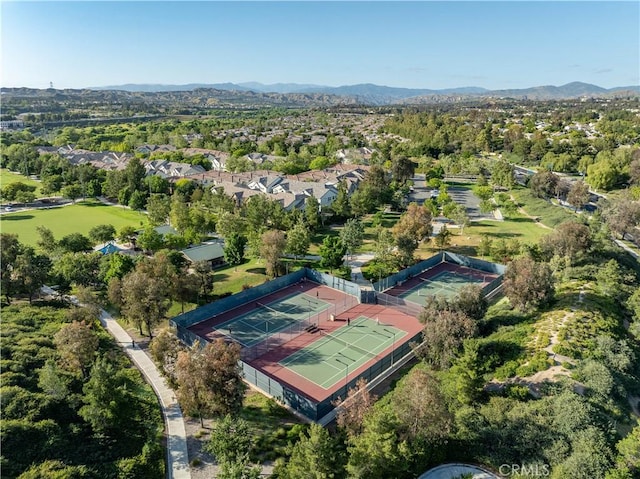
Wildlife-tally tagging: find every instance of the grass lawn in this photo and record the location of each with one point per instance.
(7, 177)
(231, 278)
(517, 227)
(550, 215)
(78, 218)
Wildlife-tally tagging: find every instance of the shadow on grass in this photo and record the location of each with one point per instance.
(220, 277)
(16, 217)
(257, 270)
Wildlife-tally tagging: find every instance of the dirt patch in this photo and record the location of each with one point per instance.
(203, 464)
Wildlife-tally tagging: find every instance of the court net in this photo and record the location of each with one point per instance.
(348, 344)
(276, 312)
(435, 285)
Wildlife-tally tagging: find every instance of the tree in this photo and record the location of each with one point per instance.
(271, 249)
(10, 248)
(332, 250)
(150, 239)
(629, 450)
(126, 233)
(375, 454)
(402, 169)
(105, 397)
(164, 350)
(602, 175)
(115, 265)
(570, 239)
(102, 233)
(443, 238)
(73, 192)
(210, 380)
(485, 245)
(79, 268)
(460, 216)
(298, 239)
(443, 334)
(77, 344)
(179, 214)
(415, 223)
(621, 214)
(30, 271)
(578, 195)
(316, 455)
(352, 235)
(528, 284)
(145, 292)
(234, 246)
(137, 200)
(13, 191)
(134, 174)
(543, 184)
(421, 408)
(52, 381)
(230, 223)
(612, 280)
(47, 242)
(203, 278)
(230, 444)
(312, 213)
(471, 301)
(406, 246)
(340, 205)
(466, 374)
(352, 411)
(75, 243)
(502, 175)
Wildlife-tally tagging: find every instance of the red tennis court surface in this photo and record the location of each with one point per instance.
(343, 307)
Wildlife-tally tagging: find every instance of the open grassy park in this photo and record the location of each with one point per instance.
(77, 218)
(7, 177)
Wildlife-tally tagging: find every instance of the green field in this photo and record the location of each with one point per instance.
(78, 218)
(7, 177)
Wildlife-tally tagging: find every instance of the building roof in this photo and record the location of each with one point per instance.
(204, 252)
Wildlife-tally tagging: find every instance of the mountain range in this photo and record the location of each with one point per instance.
(368, 93)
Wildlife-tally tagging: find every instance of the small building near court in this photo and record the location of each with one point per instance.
(213, 253)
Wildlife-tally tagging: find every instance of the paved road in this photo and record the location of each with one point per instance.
(177, 453)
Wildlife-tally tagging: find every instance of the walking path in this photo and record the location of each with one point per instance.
(177, 456)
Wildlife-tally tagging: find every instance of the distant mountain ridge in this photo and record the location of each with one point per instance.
(369, 93)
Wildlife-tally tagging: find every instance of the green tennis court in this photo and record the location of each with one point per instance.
(331, 358)
(447, 284)
(269, 318)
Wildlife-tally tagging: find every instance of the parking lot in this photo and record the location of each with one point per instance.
(460, 194)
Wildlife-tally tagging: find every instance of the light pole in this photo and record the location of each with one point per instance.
(393, 345)
(346, 375)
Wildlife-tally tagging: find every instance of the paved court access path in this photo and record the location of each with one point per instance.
(177, 455)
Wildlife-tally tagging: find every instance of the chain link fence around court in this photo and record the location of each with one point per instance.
(408, 307)
(297, 328)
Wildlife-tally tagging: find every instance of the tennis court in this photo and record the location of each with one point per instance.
(331, 358)
(267, 319)
(447, 284)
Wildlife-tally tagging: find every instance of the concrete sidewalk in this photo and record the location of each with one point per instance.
(177, 454)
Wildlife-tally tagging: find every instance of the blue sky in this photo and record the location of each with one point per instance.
(406, 44)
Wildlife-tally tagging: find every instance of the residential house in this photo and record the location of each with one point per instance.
(172, 169)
